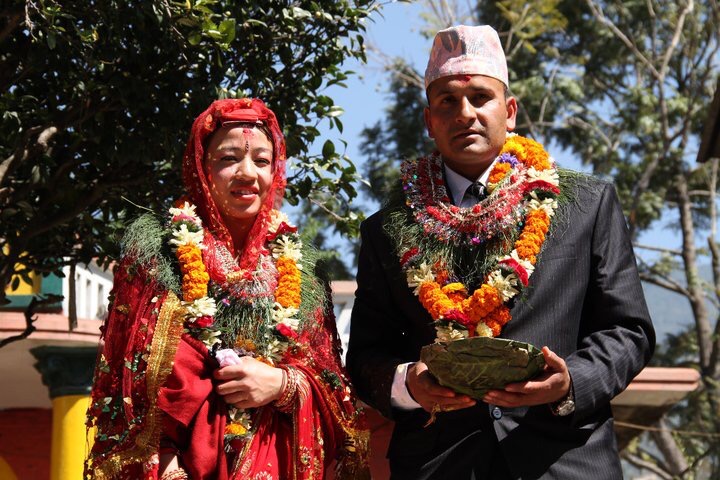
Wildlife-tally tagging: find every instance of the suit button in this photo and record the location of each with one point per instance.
(496, 413)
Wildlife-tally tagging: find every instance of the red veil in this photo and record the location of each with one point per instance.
(220, 112)
(154, 382)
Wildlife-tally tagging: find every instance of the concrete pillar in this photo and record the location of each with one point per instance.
(68, 373)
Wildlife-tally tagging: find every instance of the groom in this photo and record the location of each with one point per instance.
(581, 297)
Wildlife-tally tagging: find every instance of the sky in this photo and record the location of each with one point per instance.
(395, 31)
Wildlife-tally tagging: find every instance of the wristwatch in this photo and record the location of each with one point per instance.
(565, 406)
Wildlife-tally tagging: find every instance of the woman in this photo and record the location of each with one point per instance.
(224, 282)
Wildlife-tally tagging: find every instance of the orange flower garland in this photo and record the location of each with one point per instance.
(533, 235)
(485, 311)
(187, 233)
(195, 278)
(187, 238)
(528, 151)
(499, 172)
(288, 289)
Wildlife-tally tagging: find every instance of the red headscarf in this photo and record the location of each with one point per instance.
(246, 110)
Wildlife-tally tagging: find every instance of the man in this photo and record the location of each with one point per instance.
(577, 294)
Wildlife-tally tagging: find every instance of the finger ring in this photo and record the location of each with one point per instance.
(435, 409)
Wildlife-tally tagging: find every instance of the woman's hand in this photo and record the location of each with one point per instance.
(250, 383)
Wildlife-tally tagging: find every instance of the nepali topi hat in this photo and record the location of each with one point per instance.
(467, 50)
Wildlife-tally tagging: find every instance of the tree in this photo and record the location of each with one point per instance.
(625, 86)
(648, 76)
(98, 97)
(401, 135)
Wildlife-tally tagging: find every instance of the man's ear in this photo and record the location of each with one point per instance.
(428, 123)
(512, 108)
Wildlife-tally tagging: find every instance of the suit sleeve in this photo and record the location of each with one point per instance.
(617, 338)
(376, 332)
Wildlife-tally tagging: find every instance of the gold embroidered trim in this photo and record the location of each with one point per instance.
(168, 330)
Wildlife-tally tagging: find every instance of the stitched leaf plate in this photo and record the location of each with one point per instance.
(475, 365)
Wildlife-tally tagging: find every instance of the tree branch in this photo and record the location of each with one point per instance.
(692, 276)
(30, 317)
(598, 13)
(646, 465)
(579, 122)
(666, 444)
(44, 135)
(658, 249)
(43, 225)
(675, 39)
(663, 283)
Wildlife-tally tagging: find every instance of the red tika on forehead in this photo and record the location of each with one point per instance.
(241, 110)
(464, 78)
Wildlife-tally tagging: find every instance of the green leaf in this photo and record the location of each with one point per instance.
(475, 365)
(194, 38)
(335, 111)
(300, 13)
(227, 28)
(328, 149)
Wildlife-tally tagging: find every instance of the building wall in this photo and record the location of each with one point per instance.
(25, 440)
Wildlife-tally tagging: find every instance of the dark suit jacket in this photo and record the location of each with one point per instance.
(585, 302)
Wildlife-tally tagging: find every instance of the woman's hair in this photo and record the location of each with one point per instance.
(220, 113)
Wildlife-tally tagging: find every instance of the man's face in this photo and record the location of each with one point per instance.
(468, 116)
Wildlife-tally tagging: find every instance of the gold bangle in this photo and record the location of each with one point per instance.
(290, 389)
(177, 474)
(283, 385)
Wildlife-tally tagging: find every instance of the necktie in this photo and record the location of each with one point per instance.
(475, 193)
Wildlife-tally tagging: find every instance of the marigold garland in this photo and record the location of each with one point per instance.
(282, 241)
(284, 245)
(288, 290)
(195, 278)
(524, 186)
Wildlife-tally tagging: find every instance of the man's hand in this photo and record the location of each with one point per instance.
(552, 385)
(249, 383)
(430, 394)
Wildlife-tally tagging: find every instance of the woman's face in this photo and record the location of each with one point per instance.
(239, 170)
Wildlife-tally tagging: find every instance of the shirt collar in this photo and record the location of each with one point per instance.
(457, 184)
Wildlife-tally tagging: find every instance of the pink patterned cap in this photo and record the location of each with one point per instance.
(463, 50)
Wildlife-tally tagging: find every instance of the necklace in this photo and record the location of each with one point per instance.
(523, 186)
(268, 296)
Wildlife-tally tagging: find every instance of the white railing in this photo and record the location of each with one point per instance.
(92, 287)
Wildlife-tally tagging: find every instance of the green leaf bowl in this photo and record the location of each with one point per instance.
(475, 365)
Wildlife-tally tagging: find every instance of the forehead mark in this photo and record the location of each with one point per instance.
(248, 132)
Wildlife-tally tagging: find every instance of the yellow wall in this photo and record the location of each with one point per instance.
(26, 288)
